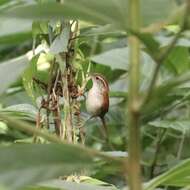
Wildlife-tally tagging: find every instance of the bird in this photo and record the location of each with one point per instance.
(97, 101)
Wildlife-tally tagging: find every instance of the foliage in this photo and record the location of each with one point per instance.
(48, 48)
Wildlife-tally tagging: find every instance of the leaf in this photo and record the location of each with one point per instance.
(156, 11)
(26, 108)
(117, 153)
(61, 42)
(110, 74)
(21, 109)
(101, 12)
(43, 161)
(149, 41)
(107, 30)
(165, 41)
(178, 176)
(116, 58)
(3, 128)
(150, 110)
(177, 17)
(3, 2)
(179, 125)
(39, 27)
(98, 12)
(28, 75)
(10, 26)
(38, 162)
(16, 38)
(178, 59)
(117, 94)
(10, 70)
(67, 185)
(119, 59)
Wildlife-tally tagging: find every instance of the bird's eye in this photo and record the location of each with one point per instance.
(97, 78)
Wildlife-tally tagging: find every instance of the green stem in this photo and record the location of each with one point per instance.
(133, 101)
(159, 62)
(163, 56)
(160, 137)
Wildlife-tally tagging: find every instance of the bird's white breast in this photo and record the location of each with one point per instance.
(94, 101)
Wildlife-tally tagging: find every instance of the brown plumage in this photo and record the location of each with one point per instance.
(97, 102)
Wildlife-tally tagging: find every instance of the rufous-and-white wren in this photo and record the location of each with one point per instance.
(97, 102)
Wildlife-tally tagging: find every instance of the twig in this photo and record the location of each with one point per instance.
(67, 127)
(49, 91)
(165, 54)
(181, 146)
(159, 62)
(154, 162)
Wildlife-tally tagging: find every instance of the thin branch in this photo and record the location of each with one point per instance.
(181, 144)
(159, 62)
(165, 54)
(158, 145)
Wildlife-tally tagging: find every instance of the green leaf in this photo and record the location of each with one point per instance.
(3, 128)
(119, 59)
(156, 11)
(39, 27)
(150, 110)
(178, 176)
(43, 161)
(28, 75)
(68, 158)
(10, 26)
(115, 58)
(118, 94)
(67, 185)
(149, 41)
(107, 30)
(179, 125)
(4, 2)
(98, 12)
(16, 38)
(178, 59)
(10, 70)
(61, 42)
(117, 153)
(23, 110)
(165, 41)
(101, 12)
(177, 17)
(39, 162)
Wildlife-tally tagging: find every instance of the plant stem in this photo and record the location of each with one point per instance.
(159, 60)
(133, 101)
(158, 146)
(66, 79)
(181, 144)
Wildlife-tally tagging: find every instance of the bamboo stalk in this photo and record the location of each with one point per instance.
(134, 171)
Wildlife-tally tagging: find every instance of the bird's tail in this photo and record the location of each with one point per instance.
(105, 129)
(106, 133)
